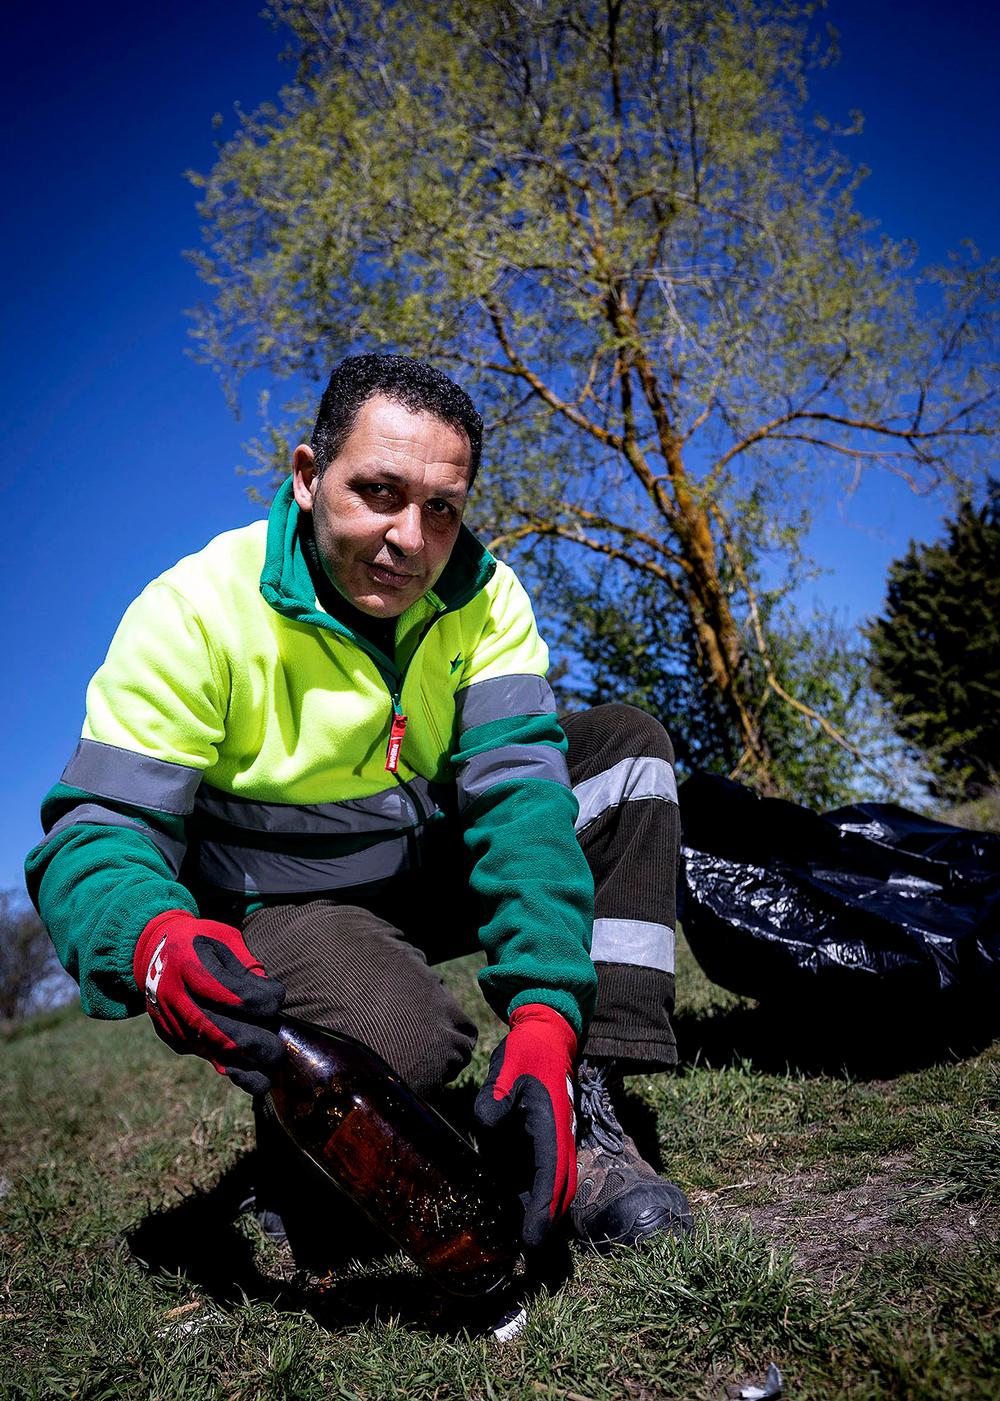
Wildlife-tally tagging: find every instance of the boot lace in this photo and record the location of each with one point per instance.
(596, 1110)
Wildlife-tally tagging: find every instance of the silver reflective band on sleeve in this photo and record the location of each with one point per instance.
(626, 781)
(249, 871)
(92, 814)
(500, 698)
(509, 761)
(634, 941)
(109, 771)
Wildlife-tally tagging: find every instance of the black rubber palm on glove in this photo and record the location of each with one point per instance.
(531, 1077)
(208, 996)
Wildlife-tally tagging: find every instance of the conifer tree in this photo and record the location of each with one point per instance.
(936, 650)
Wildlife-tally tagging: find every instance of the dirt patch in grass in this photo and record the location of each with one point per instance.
(832, 1234)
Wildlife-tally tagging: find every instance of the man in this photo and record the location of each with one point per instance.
(320, 756)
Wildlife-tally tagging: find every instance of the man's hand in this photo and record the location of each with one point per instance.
(208, 995)
(532, 1071)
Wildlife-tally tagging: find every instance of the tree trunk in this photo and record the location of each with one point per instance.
(719, 638)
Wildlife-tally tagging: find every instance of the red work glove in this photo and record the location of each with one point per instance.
(208, 996)
(531, 1071)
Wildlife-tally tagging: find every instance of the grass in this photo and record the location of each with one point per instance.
(845, 1188)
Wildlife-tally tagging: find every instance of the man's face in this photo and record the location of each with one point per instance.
(386, 511)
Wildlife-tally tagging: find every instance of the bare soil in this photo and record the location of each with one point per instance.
(832, 1233)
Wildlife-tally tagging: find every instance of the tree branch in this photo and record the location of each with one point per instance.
(544, 391)
(575, 536)
(630, 532)
(908, 435)
(770, 677)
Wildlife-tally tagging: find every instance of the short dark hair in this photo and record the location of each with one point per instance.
(412, 383)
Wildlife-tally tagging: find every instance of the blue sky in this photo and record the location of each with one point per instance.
(120, 451)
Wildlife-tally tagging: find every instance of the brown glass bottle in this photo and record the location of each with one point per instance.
(403, 1164)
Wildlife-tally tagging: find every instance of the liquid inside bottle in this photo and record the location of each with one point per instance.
(404, 1165)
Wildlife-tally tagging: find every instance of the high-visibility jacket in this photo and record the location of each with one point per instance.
(235, 747)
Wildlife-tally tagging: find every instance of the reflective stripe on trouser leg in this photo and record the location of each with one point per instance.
(621, 768)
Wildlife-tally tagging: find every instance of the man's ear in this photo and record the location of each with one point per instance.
(304, 476)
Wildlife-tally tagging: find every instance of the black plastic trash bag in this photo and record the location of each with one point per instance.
(870, 899)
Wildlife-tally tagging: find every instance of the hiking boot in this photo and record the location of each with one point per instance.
(620, 1199)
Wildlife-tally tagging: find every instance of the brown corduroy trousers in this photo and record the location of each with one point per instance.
(362, 962)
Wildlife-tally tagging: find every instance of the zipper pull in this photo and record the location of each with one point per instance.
(396, 734)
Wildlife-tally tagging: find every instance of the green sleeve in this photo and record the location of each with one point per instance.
(531, 877)
(97, 884)
(115, 823)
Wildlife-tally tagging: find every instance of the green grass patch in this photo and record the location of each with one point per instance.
(848, 1221)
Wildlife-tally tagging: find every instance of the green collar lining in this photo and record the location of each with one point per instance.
(286, 584)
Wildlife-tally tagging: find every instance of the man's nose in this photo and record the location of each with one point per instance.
(406, 533)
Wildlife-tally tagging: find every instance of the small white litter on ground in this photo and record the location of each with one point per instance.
(772, 1387)
(510, 1325)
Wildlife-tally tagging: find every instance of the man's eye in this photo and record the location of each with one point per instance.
(443, 509)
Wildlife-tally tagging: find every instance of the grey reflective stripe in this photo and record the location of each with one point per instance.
(510, 761)
(633, 941)
(502, 697)
(387, 811)
(276, 873)
(625, 782)
(108, 771)
(94, 815)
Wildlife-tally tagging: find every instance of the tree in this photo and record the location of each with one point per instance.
(30, 975)
(936, 650)
(614, 223)
(616, 643)
(622, 646)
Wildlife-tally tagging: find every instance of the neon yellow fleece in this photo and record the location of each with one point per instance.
(235, 746)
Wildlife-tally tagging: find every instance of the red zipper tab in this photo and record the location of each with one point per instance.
(395, 743)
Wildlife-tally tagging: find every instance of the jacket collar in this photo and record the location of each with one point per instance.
(287, 586)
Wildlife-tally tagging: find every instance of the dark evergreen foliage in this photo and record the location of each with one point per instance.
(936, 650)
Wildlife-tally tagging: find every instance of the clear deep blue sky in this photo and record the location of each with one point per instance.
(120, 452)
